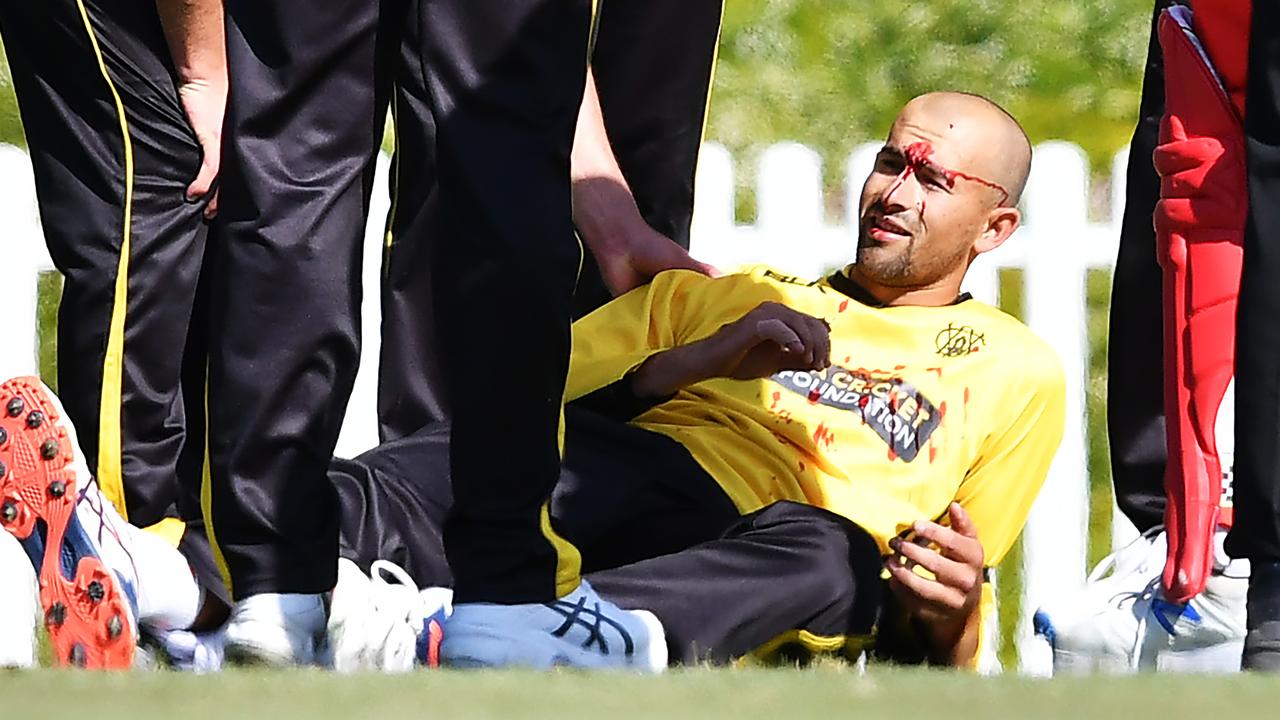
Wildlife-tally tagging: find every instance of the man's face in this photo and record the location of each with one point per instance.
(922, 207)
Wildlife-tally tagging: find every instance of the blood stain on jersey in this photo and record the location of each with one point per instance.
(777, 397)
(844, 305)
(823, 436)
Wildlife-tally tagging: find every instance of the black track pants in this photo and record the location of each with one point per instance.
(1256, 533)
(113, 154)
(653, 64)
(655, 532)
(1135, 389)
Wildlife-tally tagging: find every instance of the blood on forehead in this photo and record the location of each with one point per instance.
(919, 156)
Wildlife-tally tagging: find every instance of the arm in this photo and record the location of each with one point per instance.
(768, 339)
(990, 508)
(194, 32)
(628, 251)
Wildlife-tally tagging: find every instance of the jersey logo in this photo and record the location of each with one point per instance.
(901, 415)
(790, 279)
(959, 341)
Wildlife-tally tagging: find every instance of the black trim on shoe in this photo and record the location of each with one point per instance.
(572, 613)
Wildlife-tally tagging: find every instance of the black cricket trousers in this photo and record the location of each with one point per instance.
(113, 154)
(653, 63)
(655, 531)
(503, 81)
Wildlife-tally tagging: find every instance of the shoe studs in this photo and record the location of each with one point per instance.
(4, 436)
(15, 407)
(3, 470)
(35, 419)
(57, 489)
(56, 615)
(49, 450)
(115, 627)
(8, 511)
(78, 656)
(96, 592)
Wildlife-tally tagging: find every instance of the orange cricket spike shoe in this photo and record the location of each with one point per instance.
(50, 503)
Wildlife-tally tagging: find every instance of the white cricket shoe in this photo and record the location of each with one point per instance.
(379, 625)
(276, 629)
(1206, 635)
(193, 652)
(19, 605)
(580, 630)
(1120, 623)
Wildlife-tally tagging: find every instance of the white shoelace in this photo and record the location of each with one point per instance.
(1111, 561)
(399, 606)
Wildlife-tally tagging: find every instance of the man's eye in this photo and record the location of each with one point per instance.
(890, 164)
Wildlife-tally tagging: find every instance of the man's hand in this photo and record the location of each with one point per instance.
(770, 338)
(628, 251)
(634, 260)
(205, 102)
(946, 603)
(194, 32)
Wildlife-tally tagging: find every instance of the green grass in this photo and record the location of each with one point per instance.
(889, 693)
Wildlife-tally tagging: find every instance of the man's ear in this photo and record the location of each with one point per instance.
(1001, 223)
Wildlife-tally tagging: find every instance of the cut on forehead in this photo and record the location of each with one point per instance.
(972, 127)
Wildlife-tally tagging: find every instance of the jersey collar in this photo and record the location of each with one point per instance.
(845, 285)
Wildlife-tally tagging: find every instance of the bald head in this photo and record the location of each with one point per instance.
(971, 134)
(944, 189)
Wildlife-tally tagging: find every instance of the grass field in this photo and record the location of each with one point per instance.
(889, 693)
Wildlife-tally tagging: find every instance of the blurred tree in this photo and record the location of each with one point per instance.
(832, 73)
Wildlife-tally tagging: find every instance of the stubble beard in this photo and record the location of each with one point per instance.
(886, 265)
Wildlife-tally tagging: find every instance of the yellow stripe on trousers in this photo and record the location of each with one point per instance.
(206, 501)
(110, 474)
(850, 646)
(711, 76)
(395, 175)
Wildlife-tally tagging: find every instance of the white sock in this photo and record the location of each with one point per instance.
(169, 597)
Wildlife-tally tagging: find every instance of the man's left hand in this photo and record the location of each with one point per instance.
(946, 602)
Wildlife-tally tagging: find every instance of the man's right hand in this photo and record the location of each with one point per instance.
(767, 340)
(205, 104)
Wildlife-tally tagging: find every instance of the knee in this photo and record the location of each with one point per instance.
(841, 561)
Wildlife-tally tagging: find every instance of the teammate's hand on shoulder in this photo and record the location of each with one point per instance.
(771, 338)
(643, 254)
(946, 601)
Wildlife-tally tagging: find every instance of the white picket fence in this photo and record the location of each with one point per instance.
(1056, 247)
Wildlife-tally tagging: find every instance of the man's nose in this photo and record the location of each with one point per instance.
(904, 191)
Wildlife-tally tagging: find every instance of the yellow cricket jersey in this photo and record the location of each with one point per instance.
(921, 406)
